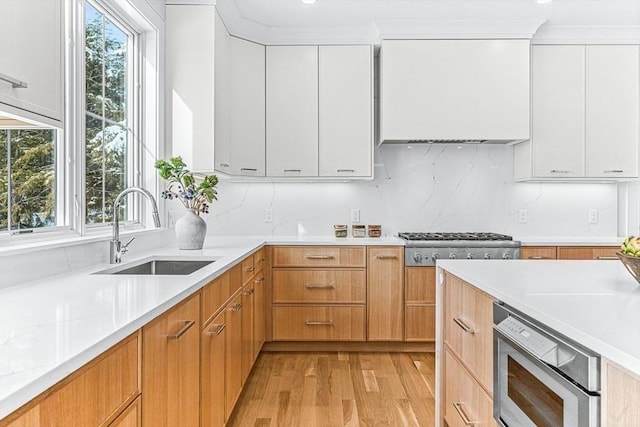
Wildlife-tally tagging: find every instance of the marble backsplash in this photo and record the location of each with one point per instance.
(421, 188)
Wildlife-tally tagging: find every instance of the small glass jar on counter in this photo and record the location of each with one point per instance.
(358, 230)
(375, 230)
(340, 230)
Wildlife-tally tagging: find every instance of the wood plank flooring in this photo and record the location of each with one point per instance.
(338, 389)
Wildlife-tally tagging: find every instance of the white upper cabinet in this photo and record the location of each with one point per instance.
(558, 103)
(222, 101)
(585, 114)
(292, 111)
(454, 90)
(31, 58)
(345, 111)
(613, 111)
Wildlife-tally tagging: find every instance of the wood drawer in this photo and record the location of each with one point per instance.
(420, 323)
(259, 260)
(464, 398)
(468, 328)
(248, 269)
(420, 285)
(538, 252)
(319, 256)
(588, 252)
(217, 293)
(319, 323)
(317, 286)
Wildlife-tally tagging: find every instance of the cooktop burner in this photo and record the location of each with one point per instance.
(454, 236)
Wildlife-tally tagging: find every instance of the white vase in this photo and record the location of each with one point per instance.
(190, 230)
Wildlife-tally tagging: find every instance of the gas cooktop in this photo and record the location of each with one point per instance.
(454, 236)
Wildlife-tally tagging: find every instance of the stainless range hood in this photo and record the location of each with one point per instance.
(454, 91)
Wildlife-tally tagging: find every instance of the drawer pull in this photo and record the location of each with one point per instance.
(224, 165)
(318, 322)
(345, 170)
(181, 331)
(538, 257)
(314, 286)
(293, 170)
(463, 415)
(614, 171)
(260, 280)
(248, 170)
(217, 330)
(606, 257)
(387, 256)
(464, 326)
(248, 292)
(309, 256)
(236, 307)
(15, 83)
(559, 171)
(250, 269)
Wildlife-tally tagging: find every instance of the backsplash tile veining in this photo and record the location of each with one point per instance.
(421, 187)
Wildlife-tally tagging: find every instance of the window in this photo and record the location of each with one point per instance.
(27, 179)
(108, 108)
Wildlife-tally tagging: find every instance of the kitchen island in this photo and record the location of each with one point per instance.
(594, 303)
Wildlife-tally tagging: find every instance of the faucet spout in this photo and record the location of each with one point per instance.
(116, 247)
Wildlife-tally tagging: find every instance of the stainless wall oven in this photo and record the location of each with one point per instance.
(541, 378)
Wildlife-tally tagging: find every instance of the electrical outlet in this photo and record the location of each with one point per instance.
(268, 215)
(593, 216)
(522, 216)
(355, 215)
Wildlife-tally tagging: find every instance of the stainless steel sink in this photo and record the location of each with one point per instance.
(165, 267)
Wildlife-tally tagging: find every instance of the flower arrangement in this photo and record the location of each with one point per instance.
(182, 185)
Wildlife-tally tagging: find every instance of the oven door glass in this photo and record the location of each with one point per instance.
(531, 394)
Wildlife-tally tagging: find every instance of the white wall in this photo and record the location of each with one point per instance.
(422, 188)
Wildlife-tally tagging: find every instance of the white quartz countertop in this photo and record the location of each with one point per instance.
(51, 327)
(569, 241)
(595, 303)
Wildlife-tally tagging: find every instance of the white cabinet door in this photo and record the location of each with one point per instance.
(31, 51)
(189, 84)
(613, 111)
(292, 111)
(454, 89)
(222, 91)
(246, 108)
(345, 111)
(558, 111)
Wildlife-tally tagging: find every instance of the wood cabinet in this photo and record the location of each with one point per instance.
(319, 293)
(345, 111)
(259, 318)
(585, 113)
(487, 99)
(538, 252)
(171, 367)
(292, 111)
(248, 317)
(32, 59)
(588, 252)
(130, 417)
(620, 396)
(212, 375)
(94, 395)
(385, 293)
(233, 362)
(420, 300)
(468, 355)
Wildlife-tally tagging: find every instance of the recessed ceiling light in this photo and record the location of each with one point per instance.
(308, 1)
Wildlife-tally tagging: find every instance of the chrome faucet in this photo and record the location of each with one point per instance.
(116, 248)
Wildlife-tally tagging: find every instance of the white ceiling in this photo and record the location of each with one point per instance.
(369, 21)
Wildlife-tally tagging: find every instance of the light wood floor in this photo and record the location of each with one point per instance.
(339, 389)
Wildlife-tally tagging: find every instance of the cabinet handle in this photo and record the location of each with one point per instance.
(606, 257)
(293, 170)
(318, 322)
(224, 165)
(463, 325)
(248, 292)
(614, 171)
(538, 257)
(217, 329)
(559, 171)
(309, 256)
(345, 170)
(250, 269)
(249, 169)
(260, 280)
(312, 286)
(15, 83)
(463, 415)
(387, 256)
(181, 331)
(236, 307)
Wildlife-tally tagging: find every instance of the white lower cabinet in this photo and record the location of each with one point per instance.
(31, 59)
(585, 114)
